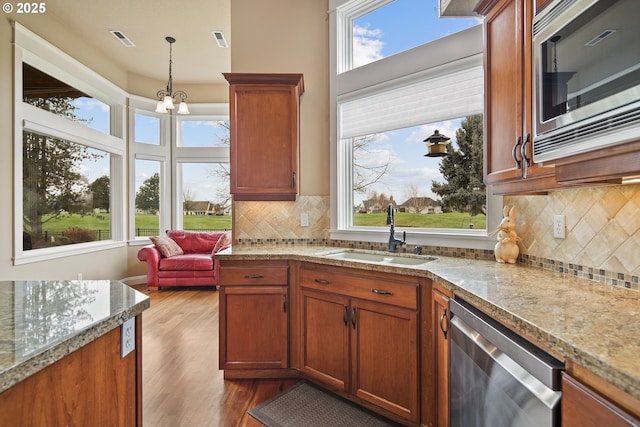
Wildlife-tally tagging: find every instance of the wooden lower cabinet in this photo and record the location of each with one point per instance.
(584, 407)
(92, 386)
(365, 348)
(325, 338)
(441, 345)
(254, 316)
(384, 357)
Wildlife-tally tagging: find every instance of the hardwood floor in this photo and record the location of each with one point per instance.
(182, 385)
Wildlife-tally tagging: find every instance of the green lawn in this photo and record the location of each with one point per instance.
(143, 221)
(223, 222)
(402, 219)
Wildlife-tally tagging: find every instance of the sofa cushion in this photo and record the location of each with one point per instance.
(223, 243)
(167, 246)
(187, 262)
(194, 242)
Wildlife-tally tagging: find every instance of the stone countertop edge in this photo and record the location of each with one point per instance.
(49, 356)
(592, 324)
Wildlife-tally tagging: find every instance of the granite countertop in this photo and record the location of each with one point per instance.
(42, 321)
(592, 324)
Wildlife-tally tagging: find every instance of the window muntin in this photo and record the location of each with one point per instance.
(66, 192)
(202, 133)
(50, 94)
(206, 200)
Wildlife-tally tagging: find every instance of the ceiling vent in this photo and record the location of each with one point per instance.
(597, 39)
(219, 36)
(124, 39)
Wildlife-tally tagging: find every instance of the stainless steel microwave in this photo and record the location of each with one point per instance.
(586, 59)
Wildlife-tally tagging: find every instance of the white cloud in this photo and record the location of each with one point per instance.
(367, 46)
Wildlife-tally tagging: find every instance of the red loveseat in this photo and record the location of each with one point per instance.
(184, 259)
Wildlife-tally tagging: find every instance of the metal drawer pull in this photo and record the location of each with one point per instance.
(254, 276)
(514, 150)
(444, 314)
(523, 150)
(322, 281)
(353, 317)
(381, 292)
(344, 315)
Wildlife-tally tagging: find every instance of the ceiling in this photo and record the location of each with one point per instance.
(197, 59)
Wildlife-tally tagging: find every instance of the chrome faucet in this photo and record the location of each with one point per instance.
(393, 242)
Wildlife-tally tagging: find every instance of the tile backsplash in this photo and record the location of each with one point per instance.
(282, 220)
(602, 232)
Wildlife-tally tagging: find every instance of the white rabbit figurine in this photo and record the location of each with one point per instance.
(507, 250)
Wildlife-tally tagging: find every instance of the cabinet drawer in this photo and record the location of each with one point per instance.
(254, 275)
(400, 293)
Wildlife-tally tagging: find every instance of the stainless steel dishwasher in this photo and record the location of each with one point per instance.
(497, 378)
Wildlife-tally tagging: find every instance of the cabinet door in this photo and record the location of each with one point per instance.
(325, 338)
(582, 407)
(264, 119)
(504, 93)
(253, 327)
(384, 351)
(441, 326)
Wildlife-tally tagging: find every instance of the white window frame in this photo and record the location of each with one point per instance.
(210, 112)
(144, 151)
(32, 49)
(347, 83)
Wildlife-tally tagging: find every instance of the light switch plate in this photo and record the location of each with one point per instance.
(128, 337)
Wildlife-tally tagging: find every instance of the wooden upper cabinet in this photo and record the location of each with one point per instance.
(509, 99)
(265, 123)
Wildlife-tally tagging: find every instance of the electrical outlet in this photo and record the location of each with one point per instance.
(128, 337)
(559, 227)
(304, 220)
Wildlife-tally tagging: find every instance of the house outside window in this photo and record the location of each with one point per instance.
(389, 99)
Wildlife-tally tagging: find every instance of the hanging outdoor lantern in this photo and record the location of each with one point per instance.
(437, 145)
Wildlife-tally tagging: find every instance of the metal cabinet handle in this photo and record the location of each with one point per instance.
(293, 180)
(322, 281)
(254, 276)
(353, 317)
(345, 314)
(444, 314)
(381, 292)
(284, 303)
(523, 150)
(514, 152)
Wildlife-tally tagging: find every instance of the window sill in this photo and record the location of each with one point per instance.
(450, 238)
(46, 254)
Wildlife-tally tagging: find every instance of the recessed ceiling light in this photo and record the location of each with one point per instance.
(124, 39)
(219, 36)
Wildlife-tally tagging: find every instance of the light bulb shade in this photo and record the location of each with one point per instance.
(160, 108)
(168, 102)
(183, 108)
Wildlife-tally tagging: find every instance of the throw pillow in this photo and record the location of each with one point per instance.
(223, 243)
(167, 246)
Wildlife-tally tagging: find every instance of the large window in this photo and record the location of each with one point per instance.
(181, 166)
(422, 79)
(69, 127)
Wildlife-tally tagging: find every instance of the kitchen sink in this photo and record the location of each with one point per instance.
(376, 257)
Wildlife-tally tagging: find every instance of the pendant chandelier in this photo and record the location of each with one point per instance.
(166, 98)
